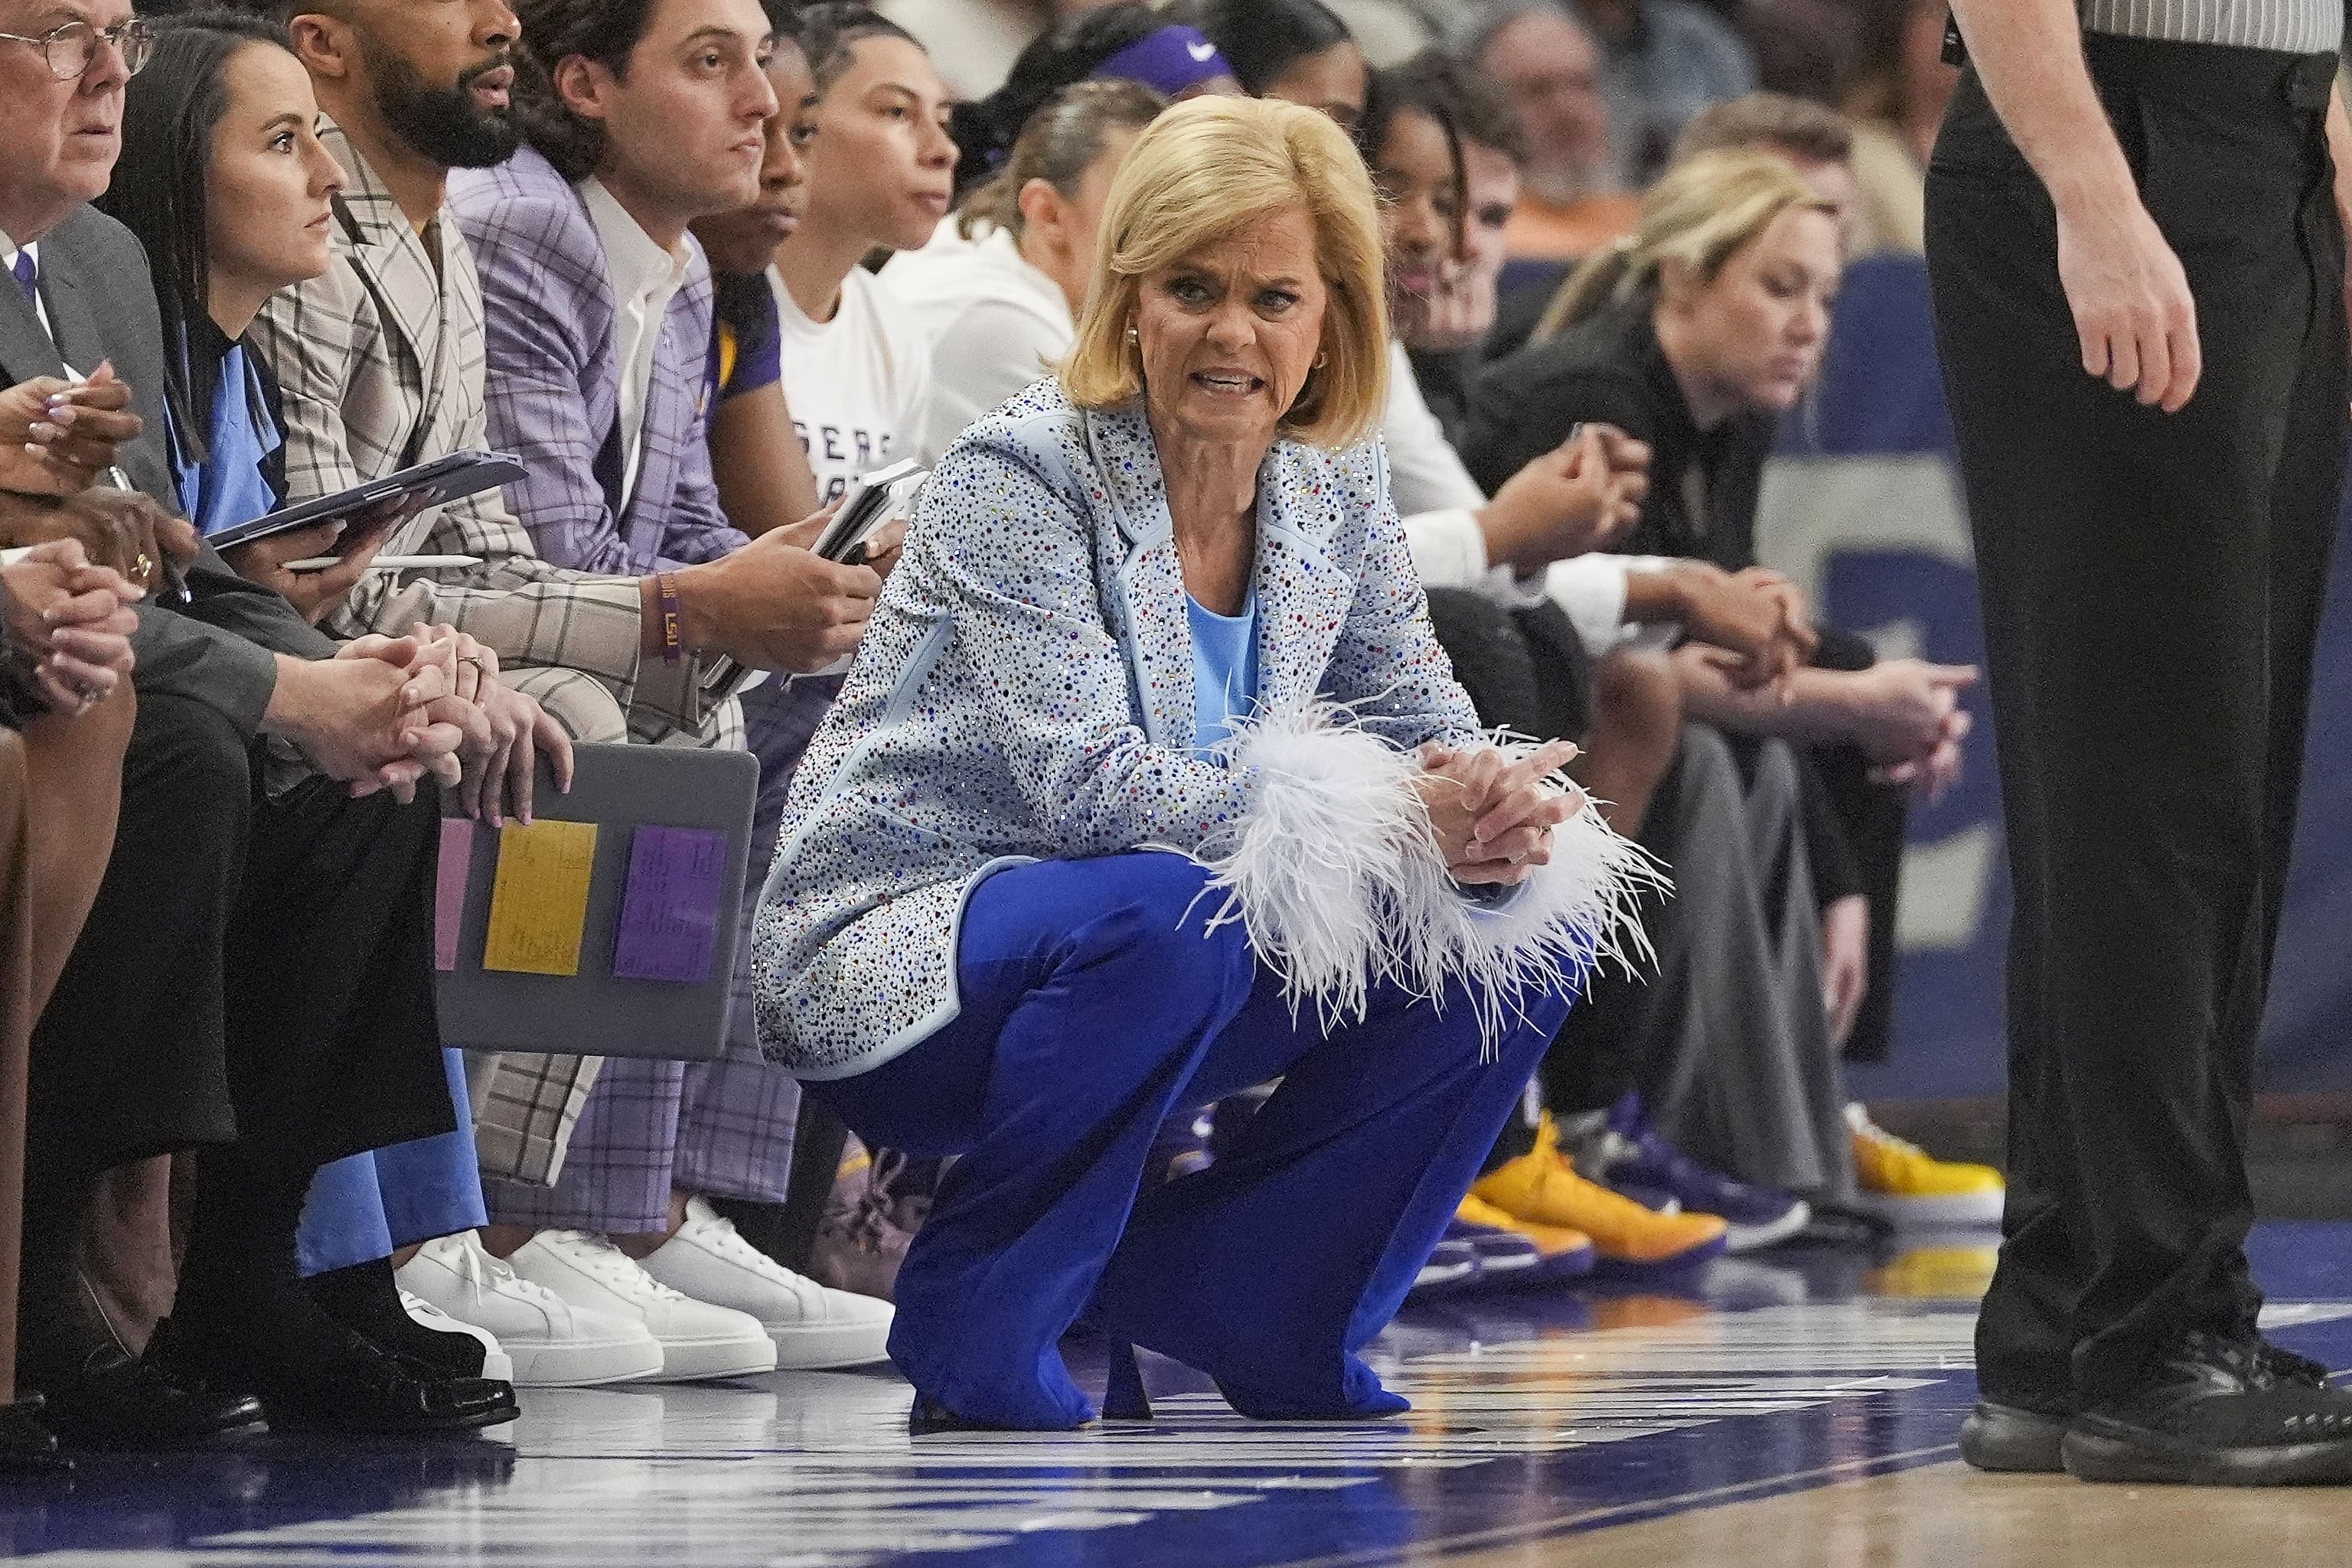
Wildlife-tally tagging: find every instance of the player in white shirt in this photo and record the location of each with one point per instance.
(857, 368)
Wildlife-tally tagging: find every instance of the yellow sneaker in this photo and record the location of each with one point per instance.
(1543, 1188)
(1565, 1254)
(1902, 1182)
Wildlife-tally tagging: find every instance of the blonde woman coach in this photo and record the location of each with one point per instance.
(1149, 783)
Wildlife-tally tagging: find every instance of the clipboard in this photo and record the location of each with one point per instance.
(596, 1012)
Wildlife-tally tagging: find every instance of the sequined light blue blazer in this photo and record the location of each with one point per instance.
(1026, 693)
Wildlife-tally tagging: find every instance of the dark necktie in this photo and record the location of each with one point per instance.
(28, 276)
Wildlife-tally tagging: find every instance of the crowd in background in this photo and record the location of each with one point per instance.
(699, 264)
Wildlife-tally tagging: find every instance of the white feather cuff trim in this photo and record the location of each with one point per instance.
(1335, 873)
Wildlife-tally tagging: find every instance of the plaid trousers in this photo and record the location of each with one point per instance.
(720, 1128)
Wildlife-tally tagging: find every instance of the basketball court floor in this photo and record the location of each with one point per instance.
(1799, 1410)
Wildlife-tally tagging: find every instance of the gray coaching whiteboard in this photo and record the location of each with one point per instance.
(596, 1012)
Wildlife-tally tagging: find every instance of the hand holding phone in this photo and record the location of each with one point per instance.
(873, 500)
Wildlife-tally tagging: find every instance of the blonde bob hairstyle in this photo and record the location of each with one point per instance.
(1215, 167)
(1696, 218)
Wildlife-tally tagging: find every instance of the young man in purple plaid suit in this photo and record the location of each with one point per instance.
(640, 116)
(382, 363)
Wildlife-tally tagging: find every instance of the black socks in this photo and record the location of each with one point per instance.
(365, 1299)
(243, 1312)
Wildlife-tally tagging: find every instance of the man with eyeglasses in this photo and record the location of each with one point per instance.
(72, 47)
(229, 989)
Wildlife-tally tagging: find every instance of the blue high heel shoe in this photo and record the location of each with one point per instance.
(929, 1419)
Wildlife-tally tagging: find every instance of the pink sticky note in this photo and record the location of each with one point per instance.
(449, 889)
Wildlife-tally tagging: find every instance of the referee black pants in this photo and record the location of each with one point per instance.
(2152, 587)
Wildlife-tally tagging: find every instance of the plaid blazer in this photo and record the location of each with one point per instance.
(555, 383)
(381, 365)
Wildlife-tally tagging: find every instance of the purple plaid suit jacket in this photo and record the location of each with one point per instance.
(554, 385)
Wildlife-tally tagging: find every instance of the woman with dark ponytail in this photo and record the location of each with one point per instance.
(1001, 286)
(1128, 41)
(225, 182)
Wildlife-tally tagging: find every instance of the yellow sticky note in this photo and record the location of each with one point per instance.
(540, 901)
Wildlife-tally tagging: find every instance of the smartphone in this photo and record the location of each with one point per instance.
(873, 500)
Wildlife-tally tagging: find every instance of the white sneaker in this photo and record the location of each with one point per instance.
(550, 1342)
(497, 1364)
(697, 1340)
(812, 1325)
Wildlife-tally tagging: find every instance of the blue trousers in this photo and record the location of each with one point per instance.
(364, 1207)
(1095, 999)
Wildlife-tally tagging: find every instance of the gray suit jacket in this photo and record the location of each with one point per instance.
(217, 648)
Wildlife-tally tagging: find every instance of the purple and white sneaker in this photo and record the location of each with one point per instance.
(1630, 1157)
(1506, 1257)
(1453, 1264)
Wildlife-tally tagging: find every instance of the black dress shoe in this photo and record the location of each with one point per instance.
(1849, 1229)
(28, 1448)
(118, 1401)
(386, 1395)
(2288, 1367)
(356, 1388)
(2221, 1411)
(2013, 1440)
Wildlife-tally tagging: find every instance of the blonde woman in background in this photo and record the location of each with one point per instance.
(1695, 336)
(1897, 97)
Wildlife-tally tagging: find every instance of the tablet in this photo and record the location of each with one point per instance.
(610, 1005)
(426, 486)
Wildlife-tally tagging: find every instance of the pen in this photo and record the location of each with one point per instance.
(386, 562)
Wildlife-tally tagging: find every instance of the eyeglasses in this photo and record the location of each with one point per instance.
(72, 50)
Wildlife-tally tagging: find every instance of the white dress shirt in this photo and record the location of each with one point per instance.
(645, 278)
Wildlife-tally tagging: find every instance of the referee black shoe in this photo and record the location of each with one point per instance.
(2221, 1411)
(2012, 1440)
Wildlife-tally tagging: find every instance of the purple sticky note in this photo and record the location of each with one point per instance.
(449, 890)
(669, 910)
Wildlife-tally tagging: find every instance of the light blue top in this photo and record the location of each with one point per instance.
(1025, 691)
(231, 486)
(1224, 669)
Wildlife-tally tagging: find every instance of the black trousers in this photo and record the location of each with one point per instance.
(256, 966)
(1856, 834)
(2152, 587)
(1526, 670)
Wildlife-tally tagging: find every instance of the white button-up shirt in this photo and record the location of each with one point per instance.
(645, 278)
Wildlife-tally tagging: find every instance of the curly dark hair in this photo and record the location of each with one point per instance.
(1455, 92)
(605, 31)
